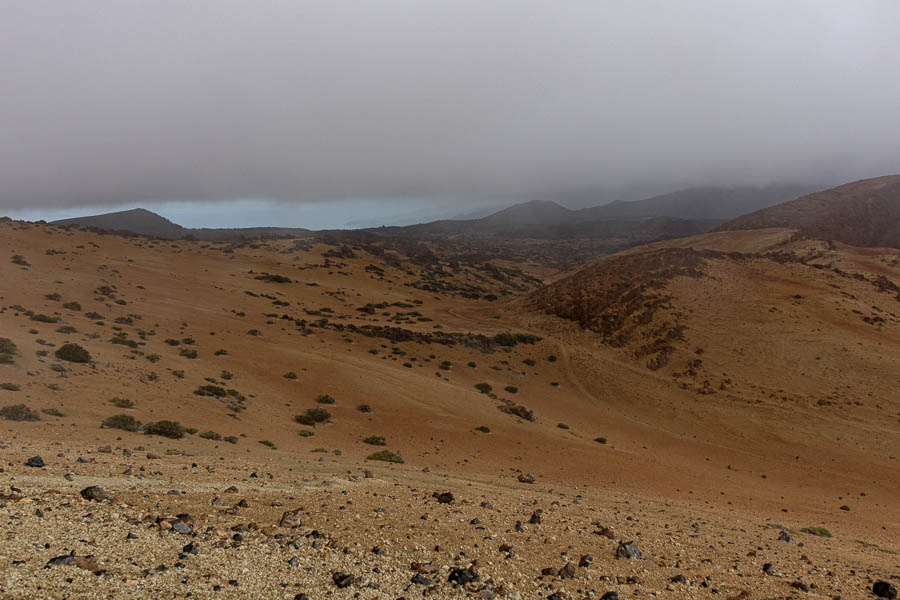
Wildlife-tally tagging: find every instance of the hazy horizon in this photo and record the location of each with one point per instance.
(453, 105)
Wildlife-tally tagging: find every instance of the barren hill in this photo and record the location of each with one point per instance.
(285, 376)
(864, 213)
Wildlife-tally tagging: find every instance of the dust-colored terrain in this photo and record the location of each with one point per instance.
(700, 397)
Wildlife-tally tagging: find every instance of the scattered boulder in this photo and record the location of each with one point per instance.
(96, 493)
(443, 497)
(526, 478)
(628, 550)
(35, 461)
(291, 518)
(342, 580)
(883, 589)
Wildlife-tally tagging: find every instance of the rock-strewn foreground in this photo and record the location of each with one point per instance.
(707, 398)
(385, 528)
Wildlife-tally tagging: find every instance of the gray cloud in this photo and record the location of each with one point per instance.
(112, 101)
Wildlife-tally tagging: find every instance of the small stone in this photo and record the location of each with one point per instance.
(610, 596)
(526, 478)
(341, 580)
(35, 461)
(627, 550)
(420, 579)
(96, 493)
(443, 497)
(784, 536)
(291, 518)
(679, 579)
(585, 561)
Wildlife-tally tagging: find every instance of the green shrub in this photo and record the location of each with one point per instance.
(386, 456)
(325, 399)
(7, 351)
(66, 329)
(307, 433)
(172, 342)
(188, 353)
(54, 296)
(211, 435)
(375, 440)
(126, 422)
(10, 387)
(191, 430)
(305, 419)
(169, 429)
(818, 531)
(154, 358)
(76, 306)
(121, 402)
(58, 368)
(845, 507)
(73, 353)
(179, 374)
(290, 375)
(483, 429)
(221, 352)
(231, 439)
(18, 412)
(53, 412)
(364, 408)
(211, 390)
(601, 440)
(268, 444)
(41, 318)
(484, 388)
(511, 389)
(319, 415)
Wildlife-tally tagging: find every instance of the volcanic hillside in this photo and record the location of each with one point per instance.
(864, 213)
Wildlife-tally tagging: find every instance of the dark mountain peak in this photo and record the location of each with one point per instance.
(135, 220)
(531, 213)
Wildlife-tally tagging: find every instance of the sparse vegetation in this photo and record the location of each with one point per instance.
(73, 353)
(562, 425)
(53, 412)
(600, 440)
(10, 387)
(125, 422)
(7, 351)
(268, 444)
(817, 531)
(307, 433)
(169, 429)
(211, 435)
(76, 306)
(18, 412)
(290, 375)
(483, 429)
(375, 440)
(231, 439)
(386, 456)
(188, 353)
(484, 388)
(121, 402)
(364, 408)
(211, 390)
(511, 389)
(325, 399)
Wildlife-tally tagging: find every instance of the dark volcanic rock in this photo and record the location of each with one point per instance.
(443, 497)
(35, 461)
(96, 494)
(883, 589)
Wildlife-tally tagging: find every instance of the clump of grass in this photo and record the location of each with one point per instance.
(325, 399)
(58, 368)
(66, 329)
(179, 374)
(307, 433)
(53, 412)
(221, 352)
(42, 318)
(375, 440)
(226, 375)
(231, 439)
(529, 361)
(211, 435)
(191, 430)
(290, 375)
(122, 402)
(562, 425)
(7, 351)
(172, 342)
(18, 412)
(364, 408)
(73, 353)
(10, 387)
(472, 364)
(125, 422)
(386, 456)
(76, 306)
(845, 507)
(484, 388)
(154, 358)
(188, 353)
(18, 259)
(483, 429)
(818, 531)
(211, 390)
(511, 389)
(268, 444)
(551, 358)
(255, 333)
(600, 440)
(169, 429)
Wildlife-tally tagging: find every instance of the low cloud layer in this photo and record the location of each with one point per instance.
(122, 101)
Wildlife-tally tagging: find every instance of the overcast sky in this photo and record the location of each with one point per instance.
(130, 102)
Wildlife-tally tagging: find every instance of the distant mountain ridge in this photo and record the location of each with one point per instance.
(686, 212)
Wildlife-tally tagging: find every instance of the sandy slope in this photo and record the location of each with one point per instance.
(801, 418)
